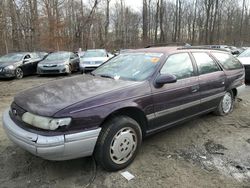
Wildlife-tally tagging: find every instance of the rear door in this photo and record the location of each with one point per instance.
(212, 80)
(35, 59)
(27, 66)
(176, 101)
(74, 61)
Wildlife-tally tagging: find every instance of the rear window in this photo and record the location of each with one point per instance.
(228, 61)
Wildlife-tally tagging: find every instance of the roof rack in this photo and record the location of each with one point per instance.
(168, 44)
(202, 48)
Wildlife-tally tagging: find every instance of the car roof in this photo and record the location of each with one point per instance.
(95, 50)
(173, 49)
(165, 50)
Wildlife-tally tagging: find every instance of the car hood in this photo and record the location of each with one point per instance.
(46, 62)
(47, 99)
(94, 59)
(4, 64)
(244, 60)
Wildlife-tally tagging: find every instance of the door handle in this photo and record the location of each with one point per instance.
(194, 89)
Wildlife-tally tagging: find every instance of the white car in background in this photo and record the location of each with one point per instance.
(244, 58)
(91, 59)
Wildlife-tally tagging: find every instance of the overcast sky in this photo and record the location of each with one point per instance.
(135, 4)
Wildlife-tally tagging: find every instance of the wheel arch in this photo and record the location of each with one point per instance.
(133, 112)
(235, 92)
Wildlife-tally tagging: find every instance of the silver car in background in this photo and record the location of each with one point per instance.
(244, 58)
(91, 59)
(61, 62)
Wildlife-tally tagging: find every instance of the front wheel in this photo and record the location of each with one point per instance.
(118, 143)
(19, 73)
(226, 104)
(70, 69)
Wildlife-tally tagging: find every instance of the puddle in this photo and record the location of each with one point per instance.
(213, 157)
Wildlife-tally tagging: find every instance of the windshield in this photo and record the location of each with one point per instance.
(11, 57)
(58, 56)
(96, 53)
(130, 66)
(246, 53)
(81, 55)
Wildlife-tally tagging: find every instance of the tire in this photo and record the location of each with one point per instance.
(19, 73)
(70, 69)
(226, 104)
(118, 143)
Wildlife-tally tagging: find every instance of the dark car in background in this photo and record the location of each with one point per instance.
(135, 94)
(61, 62)
(91, 59)
(18, 64)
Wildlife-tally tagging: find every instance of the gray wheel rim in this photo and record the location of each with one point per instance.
(19, 73)
(123, 145)
(227, 103)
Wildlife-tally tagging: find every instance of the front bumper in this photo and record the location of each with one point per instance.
(53, 70)
(7, 74)
(88, 67)
(62, 147)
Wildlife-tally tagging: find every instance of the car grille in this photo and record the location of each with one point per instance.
(16, 111)
(1, 69)
(92, 62)
(50, 71)
(49, 65)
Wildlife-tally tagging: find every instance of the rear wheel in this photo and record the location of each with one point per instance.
(118, 143)
(19, 73)
(226, 104)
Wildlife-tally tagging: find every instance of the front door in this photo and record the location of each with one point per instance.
(176, 101)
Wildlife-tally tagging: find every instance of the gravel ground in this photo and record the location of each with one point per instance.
(209, 151)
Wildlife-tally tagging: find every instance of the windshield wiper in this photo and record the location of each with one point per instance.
(106, 76)
(91, 73)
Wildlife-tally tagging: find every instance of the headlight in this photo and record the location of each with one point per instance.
(45, 122)
(10, 67)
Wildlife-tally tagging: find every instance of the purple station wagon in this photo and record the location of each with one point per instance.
(108, 112)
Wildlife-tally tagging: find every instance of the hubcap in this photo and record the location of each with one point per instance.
(19, 73)
(227, 103)
(123, 145)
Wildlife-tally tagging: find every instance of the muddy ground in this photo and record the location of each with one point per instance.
(209, 151)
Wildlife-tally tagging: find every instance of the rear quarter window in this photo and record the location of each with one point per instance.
(227, 61)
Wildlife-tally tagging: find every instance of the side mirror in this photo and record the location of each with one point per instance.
(165, 79)
(26, 60)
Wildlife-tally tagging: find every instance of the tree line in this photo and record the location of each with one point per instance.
(32, 25)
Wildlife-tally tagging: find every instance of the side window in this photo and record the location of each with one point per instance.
(27, 57)
(179, 65)
(75, 55)
(228, 61)
(205, 63)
